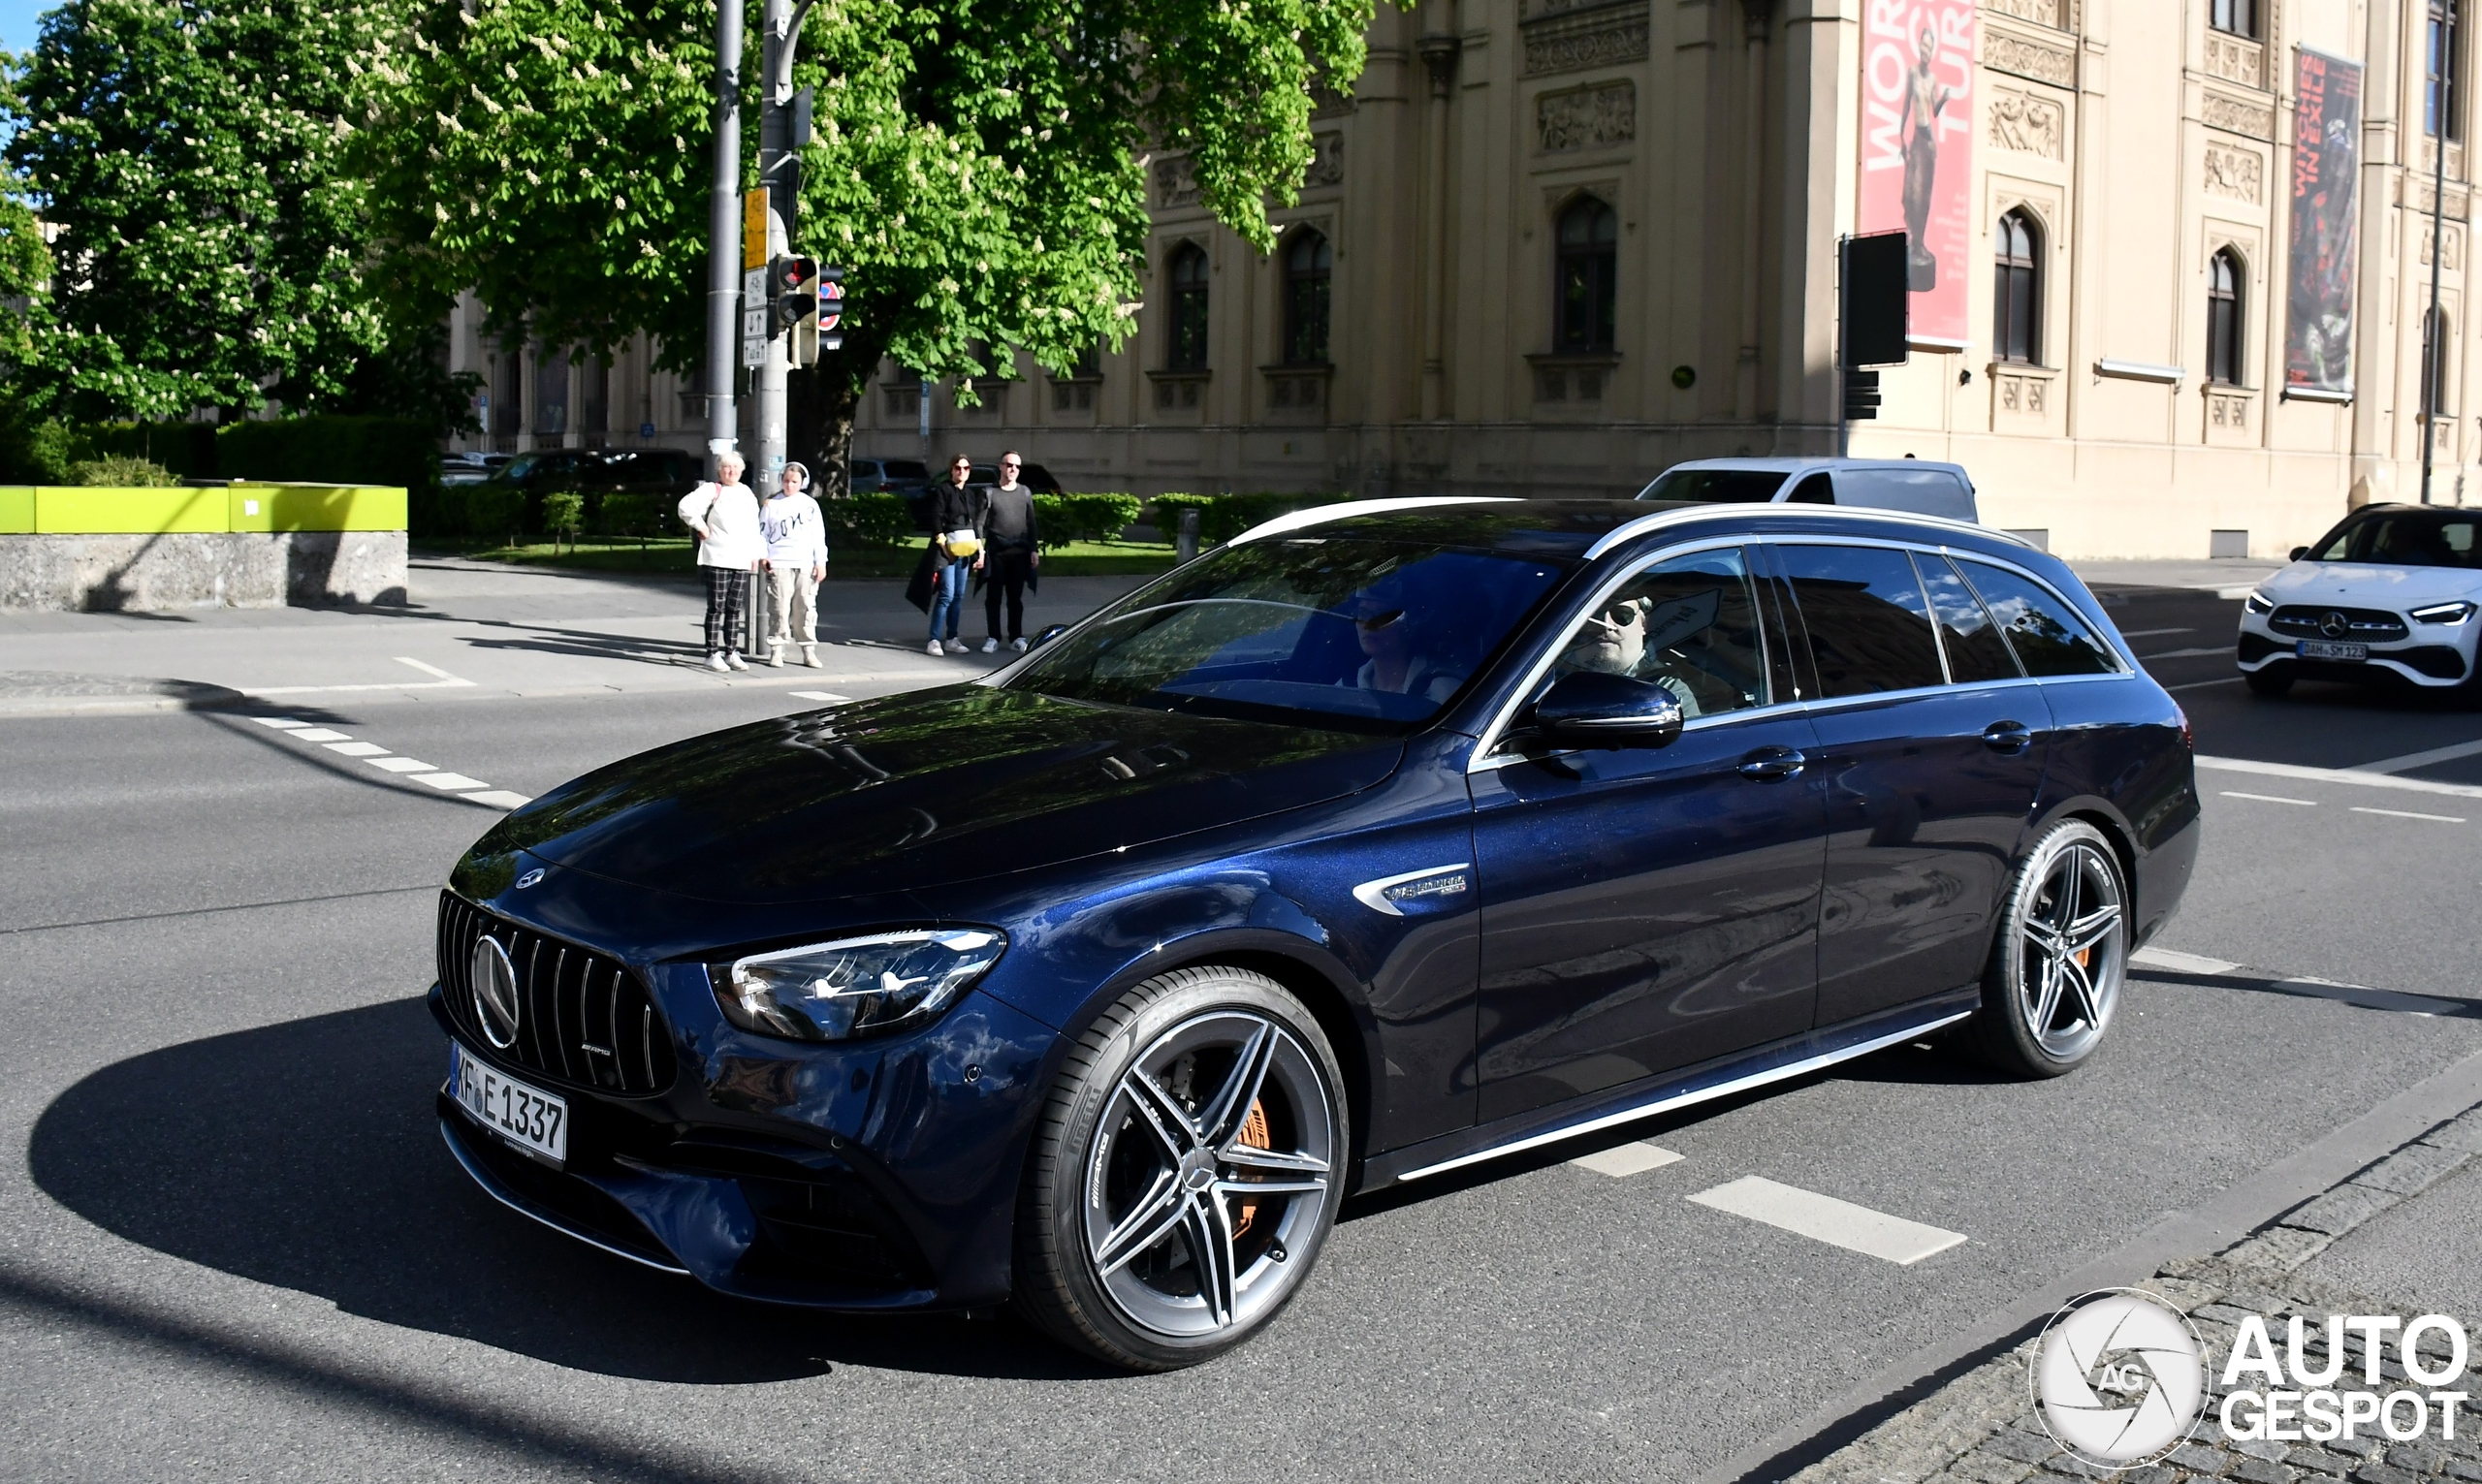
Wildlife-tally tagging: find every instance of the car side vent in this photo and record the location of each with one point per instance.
(584, 1019)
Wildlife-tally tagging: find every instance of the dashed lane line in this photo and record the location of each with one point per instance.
(817, 695)
(2445, 819)
(2307, 803)
(2152, 633)
(2413, 760)
(2359, 777)
(2157, 963)
(1825, 1219)
(1628, 1159)
(471, 790)
(2186, 653)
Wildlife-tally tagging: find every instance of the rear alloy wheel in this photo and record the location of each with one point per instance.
(1185, 1173)
(2270, 681)
(2056, 972)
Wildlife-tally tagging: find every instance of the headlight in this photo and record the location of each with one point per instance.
(2257, 604)
(2443, 613)
(853, 987)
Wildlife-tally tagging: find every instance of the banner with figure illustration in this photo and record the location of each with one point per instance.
(2326, 172)
(1917, 150)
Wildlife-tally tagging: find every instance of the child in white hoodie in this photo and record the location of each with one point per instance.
(796, 564)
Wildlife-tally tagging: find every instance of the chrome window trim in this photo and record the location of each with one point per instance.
(1785, 511)
(1483, 760)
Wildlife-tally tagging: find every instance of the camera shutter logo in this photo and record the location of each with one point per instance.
(2119, 1378)
(495, 984)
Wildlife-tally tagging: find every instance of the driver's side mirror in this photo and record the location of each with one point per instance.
(1590, 709)
(2298, 553)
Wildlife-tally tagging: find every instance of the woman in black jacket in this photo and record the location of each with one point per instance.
(956, 512)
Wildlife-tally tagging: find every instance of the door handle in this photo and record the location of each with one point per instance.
(1772, 764)
(2009, 736)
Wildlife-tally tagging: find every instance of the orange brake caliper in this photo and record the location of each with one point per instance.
(1254, 1133)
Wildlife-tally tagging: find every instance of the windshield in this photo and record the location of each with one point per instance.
(2407, 538)
(1717, 486)
(519, 467)
(1348, 633)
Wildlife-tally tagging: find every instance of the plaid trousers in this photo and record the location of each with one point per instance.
(727, 609)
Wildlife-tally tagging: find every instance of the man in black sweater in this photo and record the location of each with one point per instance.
(1011, 550)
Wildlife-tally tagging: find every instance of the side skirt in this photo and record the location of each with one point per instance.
(1779, 1061)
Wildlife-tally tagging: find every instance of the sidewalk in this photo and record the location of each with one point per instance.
(474, 629)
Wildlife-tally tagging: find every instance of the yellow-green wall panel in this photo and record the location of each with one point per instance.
(275, 507)
(16, 510)
(73, 511)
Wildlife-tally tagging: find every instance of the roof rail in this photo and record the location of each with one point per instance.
(1319, 515)
(1663, 517)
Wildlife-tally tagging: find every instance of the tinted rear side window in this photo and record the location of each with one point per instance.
(1717, 486)
(1921, 492)
(1976, 652)
(1870, 629)
(2047, 635)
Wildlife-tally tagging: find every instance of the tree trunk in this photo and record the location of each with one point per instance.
(820, 406)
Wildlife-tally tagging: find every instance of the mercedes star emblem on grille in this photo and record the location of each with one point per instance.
(530, 878)
(2334, 625)
(496, 1001)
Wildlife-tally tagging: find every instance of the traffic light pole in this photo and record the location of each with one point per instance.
(781, 25)
(724, 270)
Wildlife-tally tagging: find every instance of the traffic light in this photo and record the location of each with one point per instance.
(792, 293)
(1860, 395)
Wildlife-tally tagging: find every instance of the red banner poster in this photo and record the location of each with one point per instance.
(1917, 150)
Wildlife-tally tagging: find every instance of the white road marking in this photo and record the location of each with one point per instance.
(357, 749)
(2355, 775)
(320, 734)
(2307, 803)
(446, 682)
(818, 694)
(1628, 1159)
(2445, 819)
(500, 798)
(1825, 1219)
(2180, 962)
(2152, 633)
(456, 782)
(2229, 679)
(433, 670)
(280, 723)
(401, 764)
(2412, 760)
(2186, 653)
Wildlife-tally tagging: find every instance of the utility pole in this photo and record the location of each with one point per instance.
(723, 238)
(2434, 342)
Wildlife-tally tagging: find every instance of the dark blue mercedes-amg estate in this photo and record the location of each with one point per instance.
(1384, 840)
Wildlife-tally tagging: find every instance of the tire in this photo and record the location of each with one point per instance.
(1137, 1241)
(2272, 680)
(2053, 983)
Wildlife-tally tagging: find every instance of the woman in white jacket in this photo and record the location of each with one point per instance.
(725, 516)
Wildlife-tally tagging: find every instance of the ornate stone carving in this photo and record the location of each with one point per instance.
(2023, 395)
(2236, 117)
(1327, 103)
(2042, 13)
(2002, 51)
(2236, 59)
(2239, 174)
(2455, 262)
(1176, 183)
(2027, 124)
(1588, 117)
(1326, 159)
(1582, 37)
(2228, 411)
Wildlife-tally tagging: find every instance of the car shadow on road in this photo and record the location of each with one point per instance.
(307, 1156)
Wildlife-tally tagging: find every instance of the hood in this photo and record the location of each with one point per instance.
(2368, 585)
(923, 790)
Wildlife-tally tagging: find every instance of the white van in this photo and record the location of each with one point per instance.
(1912, 484)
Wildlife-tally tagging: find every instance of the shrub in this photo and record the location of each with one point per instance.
(330, 449)
(1068, 518)
(121, 471)
(876, 519)
(632, 515)
(1223, 517)
(494, 514)
(564, 511)
(1167, 514)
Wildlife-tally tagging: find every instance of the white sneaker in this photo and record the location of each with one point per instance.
(733, 659)
(935, 647)
(776, 655)
(956, 647)
(715, 659)
(809, 656)
(1018, 644)
(991, 646)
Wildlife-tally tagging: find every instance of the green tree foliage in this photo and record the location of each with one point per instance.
(211, 247)
(980, 165)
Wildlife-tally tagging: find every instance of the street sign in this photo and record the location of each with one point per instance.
(646, 429)
(754, 230)
(753, 304)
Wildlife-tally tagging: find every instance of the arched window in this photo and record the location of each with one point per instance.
(1588, 277)
(1309, 271)
(2226, 327)
(2016, 297)
(1185, 344)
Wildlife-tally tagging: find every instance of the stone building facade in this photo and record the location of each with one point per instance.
(1556, 245)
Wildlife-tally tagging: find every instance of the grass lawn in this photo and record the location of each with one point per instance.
(679, 558)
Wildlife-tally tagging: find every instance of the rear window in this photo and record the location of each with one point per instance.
(2048, 635)
(2406, 538)
(1918, 491)
(1717, 486)
(1869, 628)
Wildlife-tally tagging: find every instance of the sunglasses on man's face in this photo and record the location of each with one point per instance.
(1010, 463)
(1620, 616)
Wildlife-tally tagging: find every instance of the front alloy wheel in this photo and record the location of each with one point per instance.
(1185, 1173)
(2056, 972)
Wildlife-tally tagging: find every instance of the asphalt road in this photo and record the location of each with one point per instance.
(232, 1247)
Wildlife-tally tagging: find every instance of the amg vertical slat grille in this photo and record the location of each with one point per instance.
(584, 1019)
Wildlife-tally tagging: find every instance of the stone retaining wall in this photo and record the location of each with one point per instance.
(201, 569)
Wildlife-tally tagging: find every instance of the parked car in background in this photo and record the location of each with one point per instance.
(468, 469)
(1032, 475)
(904, 476)
(1915, 486)
(1384, 840)
(2389, 597)
(599, 471)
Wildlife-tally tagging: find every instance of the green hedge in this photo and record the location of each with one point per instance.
(1223, 517)
(876, 519)
(1068, 518)
(477, 511)
(330, 449)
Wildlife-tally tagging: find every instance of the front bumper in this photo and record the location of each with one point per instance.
(864, 1176)
(2430, 658)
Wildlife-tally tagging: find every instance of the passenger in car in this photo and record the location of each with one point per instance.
(1398, 660)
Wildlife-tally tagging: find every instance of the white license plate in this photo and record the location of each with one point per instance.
(525, 1115)
(2321, 648)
